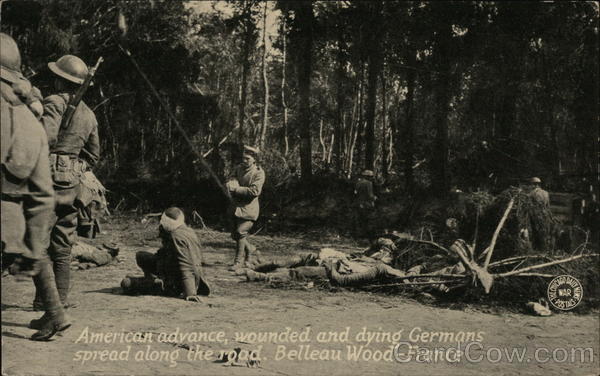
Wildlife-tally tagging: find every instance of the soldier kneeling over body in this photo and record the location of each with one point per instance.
(176, 269)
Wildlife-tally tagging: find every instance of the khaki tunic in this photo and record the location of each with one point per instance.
(27, 193)
(245, 197)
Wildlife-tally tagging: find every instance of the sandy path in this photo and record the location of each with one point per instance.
(253, 307)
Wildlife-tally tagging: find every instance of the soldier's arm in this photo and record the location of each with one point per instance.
(39, 204)
(255, 187)
(188, 279)
(54, 108)
(91, 149)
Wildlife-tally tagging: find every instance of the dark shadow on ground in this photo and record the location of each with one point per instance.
(106, 290)
(8, 323)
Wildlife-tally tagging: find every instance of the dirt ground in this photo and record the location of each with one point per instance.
(238, 306)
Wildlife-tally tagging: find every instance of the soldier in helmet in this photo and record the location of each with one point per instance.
(537, 193)
(27, 194)
(74, 148)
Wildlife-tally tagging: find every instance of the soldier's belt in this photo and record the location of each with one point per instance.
(66, 162)
(11, 198)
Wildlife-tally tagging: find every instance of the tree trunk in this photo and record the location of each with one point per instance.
(304, 68)
(375, 64)
(340, 77)
(409, 134)
(245, 70)
(384, 128)
(265, 122)
(286, 144)
(360, 124)
(440, 178)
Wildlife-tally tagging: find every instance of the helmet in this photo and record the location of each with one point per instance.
(368, 173)
(10, 58)
(70, 68)
(535, 180)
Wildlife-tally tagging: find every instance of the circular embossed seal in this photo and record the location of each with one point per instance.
(565, 292)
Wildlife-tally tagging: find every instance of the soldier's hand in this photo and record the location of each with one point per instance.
(194, 298)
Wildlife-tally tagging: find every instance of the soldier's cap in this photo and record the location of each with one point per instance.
(535, 180)
(251, 151)
(368, 173)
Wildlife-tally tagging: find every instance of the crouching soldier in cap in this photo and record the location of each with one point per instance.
(74, 147)
(27, 194)
(245, 187)
(176, 269)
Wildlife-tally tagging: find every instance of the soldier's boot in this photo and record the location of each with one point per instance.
(53, 320)
(253, 257)
(62, 271)
(141, 285)
(240, 255)
(252, 276)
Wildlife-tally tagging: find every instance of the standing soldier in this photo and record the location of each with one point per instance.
(74, 147)
(537, 193)
(245, 188)
(27, 194)
(365, 202)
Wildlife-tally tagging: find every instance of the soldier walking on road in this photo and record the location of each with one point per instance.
(74, 147)
(27, 194)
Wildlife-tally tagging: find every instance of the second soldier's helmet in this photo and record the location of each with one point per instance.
(70, 68)
(10, 58)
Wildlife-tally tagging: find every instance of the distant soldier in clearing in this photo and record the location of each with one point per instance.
(538, 193)
(365, 202)
(245, 188)
(27, 194)
(74, 148)
(176, 269)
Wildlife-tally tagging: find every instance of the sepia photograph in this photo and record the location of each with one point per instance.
(300, 187)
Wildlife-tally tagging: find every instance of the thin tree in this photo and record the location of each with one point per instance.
(265, 122)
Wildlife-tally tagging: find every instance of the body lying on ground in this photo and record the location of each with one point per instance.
(85, 255)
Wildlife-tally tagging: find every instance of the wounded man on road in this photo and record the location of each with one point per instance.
(176, 268)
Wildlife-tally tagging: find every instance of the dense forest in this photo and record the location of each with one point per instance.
(429, 95)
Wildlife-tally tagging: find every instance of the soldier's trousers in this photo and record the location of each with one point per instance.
(13, 231)
(62, 238)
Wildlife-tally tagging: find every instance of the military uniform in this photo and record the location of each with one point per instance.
(27, 196)
(73, 149)
(244, 193)
(175, 269)
(541, 196)
(364, 204)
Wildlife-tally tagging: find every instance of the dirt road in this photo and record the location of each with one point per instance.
(293, 331)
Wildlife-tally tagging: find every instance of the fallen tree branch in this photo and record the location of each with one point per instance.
(535, 275)
(414, 283)
(490, 248)
(519, 271)
(432, 275)
(434, 244)
(511, 260)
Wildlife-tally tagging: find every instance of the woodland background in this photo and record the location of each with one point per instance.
(431, 95)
